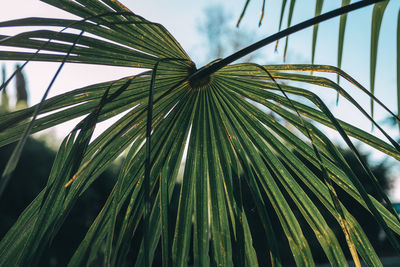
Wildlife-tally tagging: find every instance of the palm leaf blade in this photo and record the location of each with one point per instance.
(216, 123)
(342, 29)
(318, 9)
(377, 16)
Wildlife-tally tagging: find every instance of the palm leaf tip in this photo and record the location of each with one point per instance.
(377, 16)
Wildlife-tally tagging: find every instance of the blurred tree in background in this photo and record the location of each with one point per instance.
(220, 36)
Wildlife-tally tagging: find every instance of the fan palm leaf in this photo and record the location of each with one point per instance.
(212, 121)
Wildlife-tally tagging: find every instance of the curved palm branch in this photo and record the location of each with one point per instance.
(214, 124)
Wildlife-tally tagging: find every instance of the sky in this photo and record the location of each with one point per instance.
(182, 19)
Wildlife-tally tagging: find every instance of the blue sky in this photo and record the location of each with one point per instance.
(182, 18)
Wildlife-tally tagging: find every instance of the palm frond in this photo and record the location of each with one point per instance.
(217, 123)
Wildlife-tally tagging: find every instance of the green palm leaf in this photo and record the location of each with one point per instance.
(398, 66)
(377, 16)
(212, 122)
(318, 9)
(342, 30)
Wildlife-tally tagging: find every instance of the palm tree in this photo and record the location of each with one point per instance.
(210, 118)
